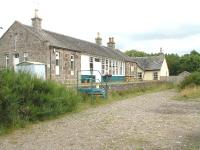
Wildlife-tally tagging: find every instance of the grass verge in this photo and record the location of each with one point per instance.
(89, 102)
(191, 93)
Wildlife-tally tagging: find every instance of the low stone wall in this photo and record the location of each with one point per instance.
(176, 79)
(126, 86)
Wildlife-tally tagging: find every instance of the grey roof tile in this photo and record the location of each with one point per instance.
(67, 42)
(149, 63)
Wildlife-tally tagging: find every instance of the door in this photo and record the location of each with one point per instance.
(15, 60)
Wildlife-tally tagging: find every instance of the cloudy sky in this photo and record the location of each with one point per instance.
(145, 25)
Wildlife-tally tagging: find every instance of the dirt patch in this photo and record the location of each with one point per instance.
(150, 122)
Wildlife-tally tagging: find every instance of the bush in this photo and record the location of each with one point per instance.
(24, 98)
(191, 80)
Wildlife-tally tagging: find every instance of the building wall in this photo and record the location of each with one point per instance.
(138, 71)
(18, 40)
(164, 69)
(67, 75)
(131, 71)
(97, 67)
(149, 75)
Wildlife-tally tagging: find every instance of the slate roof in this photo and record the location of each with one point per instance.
(149, 63)
(74, 44)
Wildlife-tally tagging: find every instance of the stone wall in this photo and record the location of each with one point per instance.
(67, 75)
(176, 79)
(130, 75)
(18, 40)
(133, 85)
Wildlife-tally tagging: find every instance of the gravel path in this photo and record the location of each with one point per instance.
(150, 121)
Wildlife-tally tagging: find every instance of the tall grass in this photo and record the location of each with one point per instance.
(189, 88)
(24, 98)
(190, 92)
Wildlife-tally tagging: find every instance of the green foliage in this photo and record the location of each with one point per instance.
(173, 63)
(191, 80)
(188, 62)
(24, 98)
(135, 53)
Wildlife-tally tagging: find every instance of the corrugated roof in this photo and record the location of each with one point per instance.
(29, 63)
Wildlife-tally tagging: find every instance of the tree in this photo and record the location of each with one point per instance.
(173, 64)
(135, 53)
(190, 62)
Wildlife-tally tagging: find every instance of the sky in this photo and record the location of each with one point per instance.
(144, 25)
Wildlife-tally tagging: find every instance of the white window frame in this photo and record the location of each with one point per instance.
(103, 66)
(72, 64)
(25, 56)
(91, 63)
(57, 66)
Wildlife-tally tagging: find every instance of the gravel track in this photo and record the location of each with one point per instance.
(151, 121)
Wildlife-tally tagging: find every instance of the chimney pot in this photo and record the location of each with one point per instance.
(36, 21)
(98, 39)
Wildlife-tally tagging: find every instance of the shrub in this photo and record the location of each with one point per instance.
(24, 98)
(191, 80)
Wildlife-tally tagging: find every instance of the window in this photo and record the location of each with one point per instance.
(103, 66)
(57, 63)
(120, 68)
(106, 66)
(116, 68)
(25, 56)
(91, 64)
(110, 67)
(72, 62)
(97, 60)
(139, 75)
(7, 60)
(155, 75)
(16, 55)
(113, 65)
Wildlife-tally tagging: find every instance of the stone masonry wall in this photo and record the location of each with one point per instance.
(66, 75)
(18, 40)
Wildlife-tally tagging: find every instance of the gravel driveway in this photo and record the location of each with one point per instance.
(149, 122)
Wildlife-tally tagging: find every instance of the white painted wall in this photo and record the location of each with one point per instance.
(148, 75)
(97, 66)
(33, 69)
(164, 69)
(85, 65)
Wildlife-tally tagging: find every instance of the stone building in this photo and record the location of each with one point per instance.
(67, 58)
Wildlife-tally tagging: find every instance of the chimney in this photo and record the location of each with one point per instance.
(36, 21)
(161, 50)
(98, 39)
(111, 43)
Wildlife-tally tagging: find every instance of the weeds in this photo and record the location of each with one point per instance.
(24, 99)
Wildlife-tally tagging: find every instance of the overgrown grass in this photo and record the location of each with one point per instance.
(189, 93)
(25, 99)
(113, 96)
(190, 88)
